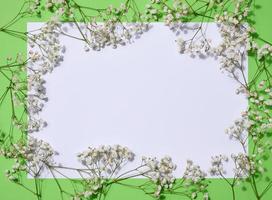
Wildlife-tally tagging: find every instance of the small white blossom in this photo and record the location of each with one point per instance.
(239, 129)
(193, 172)
(33, 157)
(160, 172)
(105, 161)
(243, 165)
(44, 55)
(217, 165)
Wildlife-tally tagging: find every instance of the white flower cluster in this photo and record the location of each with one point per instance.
(50, 3)
(232, 50)
(172, 15)
(34, 5)
(44, 55)
(151, 13)
(105, 161)
(201, 48)
(255, 122)
(19, 86)
(217, 165)
(35, 125)
(265, 50)
(235, 39)
(160, 172)
(32, 157)
(111, 33)
(193, 172)
(243, 165)
(260, 109)
(239, 129)
(235, 16)
(92, 187)
(194, 180)
(45, 49)
(266, 98)
(38, 154)
(35, 106)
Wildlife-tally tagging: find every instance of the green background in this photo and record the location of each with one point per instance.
(9, 46)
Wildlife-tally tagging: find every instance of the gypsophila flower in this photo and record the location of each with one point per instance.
(217, 165)
(35, 104)
(44, 55)
(239, 129)
(230, 51)
(105, 161)
(92, 187)
(51, 3)
(243, 165)
(232, 48)
(260, 109)
(35, 125)
(111, 33)
(263, 51)
(32, 157)
(193, 172)
(181, 45)
(160, 172)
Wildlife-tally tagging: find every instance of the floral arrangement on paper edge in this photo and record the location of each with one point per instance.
(25, 93)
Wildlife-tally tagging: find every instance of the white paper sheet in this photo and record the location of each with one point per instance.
(145, 96)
